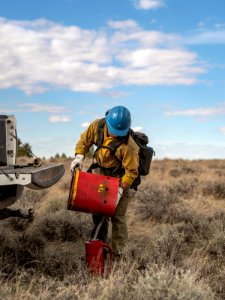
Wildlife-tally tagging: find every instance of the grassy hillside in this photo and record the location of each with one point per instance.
(176, 225)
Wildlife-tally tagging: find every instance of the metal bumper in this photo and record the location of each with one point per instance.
(34, 177)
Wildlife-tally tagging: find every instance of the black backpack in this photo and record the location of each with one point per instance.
(146, 153)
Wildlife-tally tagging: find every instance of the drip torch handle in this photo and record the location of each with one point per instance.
(104, 245)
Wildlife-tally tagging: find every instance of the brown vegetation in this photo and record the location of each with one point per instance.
(176, 225)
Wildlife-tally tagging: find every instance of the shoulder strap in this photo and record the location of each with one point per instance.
(114, 144)
(100, 130)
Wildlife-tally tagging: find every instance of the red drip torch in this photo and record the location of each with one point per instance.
(99, 255)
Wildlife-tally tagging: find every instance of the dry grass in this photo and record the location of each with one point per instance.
(176, 225)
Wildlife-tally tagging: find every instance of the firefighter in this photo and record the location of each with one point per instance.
(123, 163)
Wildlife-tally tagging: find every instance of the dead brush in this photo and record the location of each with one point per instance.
(175, 172)
(183, 170)
(65, 185)
(16, 224)
(174, 243)
(184, 187)
(62, 260)
(214, 276)
(196, 245)
(19, 249)
(216, 164)
(53, 204)
(154, 283)
(216, 248)
(215, 188)
(211, 269)
(170, 283)
(8, 251)
(31, 198)
(31, 247)
(161, 204)
(63, 226)
(169, 246)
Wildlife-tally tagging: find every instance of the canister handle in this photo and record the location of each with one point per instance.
(104, 245)
(71, 189)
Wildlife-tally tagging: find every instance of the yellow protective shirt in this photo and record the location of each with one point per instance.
(126, 153)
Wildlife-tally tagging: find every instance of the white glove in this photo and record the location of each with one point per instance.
(77, 162)
(119, 195)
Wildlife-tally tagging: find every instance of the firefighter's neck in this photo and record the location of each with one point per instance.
(111, 135)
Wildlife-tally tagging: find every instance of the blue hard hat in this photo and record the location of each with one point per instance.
(118, 120)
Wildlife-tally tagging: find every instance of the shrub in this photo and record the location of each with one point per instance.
(31, 198)
(62, 226)
(183, 188)
(214, 188)
(161, 204)
(168, 245)
(62, 259)
(175, 172)
(170, 283)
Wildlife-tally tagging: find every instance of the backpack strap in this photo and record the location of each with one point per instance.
(100, 130)
(112, 147)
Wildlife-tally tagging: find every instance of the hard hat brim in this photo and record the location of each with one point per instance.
(116, 132)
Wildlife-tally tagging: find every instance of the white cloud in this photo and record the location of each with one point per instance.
(85, 124)
(220, 110)
(201, 24)
(116, 94)
(59, 119)
(135, 39)
(148, 4)
(9, 111)
(206, 37)
(37, 107)
(127, 24)
(189, 151)
(153, 21)
(222, 130)
(219, 25)
(137, 128)
(40, 55)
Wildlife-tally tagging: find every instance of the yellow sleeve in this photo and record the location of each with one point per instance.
(130, 161)
(87, 139)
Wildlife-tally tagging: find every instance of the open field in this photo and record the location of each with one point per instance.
(176, 224)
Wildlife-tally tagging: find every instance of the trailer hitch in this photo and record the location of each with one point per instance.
(8, 213)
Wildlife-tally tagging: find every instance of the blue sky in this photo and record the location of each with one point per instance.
(65, 62)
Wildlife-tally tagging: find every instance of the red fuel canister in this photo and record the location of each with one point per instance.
(93, 193)
(99, 257)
